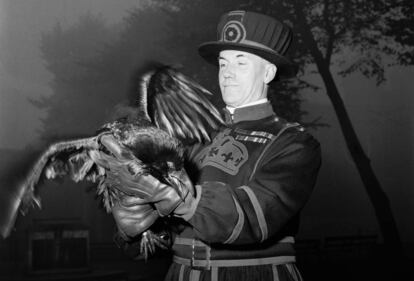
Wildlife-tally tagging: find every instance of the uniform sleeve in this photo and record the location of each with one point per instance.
(278, 188)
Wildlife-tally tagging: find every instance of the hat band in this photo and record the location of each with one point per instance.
(254, 44)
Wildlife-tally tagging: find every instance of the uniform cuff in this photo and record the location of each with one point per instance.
(194, 203)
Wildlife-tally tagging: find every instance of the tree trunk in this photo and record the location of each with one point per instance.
(373, 187)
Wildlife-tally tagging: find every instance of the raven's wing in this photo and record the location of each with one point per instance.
(74, 158)
(179, 105)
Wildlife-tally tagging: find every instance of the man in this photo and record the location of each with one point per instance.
(254, 177)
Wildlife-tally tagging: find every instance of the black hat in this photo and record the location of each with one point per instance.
(254, 33)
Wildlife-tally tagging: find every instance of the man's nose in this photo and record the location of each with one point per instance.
(228, 71)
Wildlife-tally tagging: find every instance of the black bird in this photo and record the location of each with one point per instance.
(172, 108)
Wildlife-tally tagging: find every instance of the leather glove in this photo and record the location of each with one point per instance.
(123, 173)
(133, 216)
(177, 199)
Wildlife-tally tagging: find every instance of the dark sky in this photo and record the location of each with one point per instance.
(23, 76)
(22, 73)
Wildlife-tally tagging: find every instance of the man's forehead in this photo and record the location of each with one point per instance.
(227, 54)
(236, 54)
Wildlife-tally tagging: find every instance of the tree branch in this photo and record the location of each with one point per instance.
(329, 30)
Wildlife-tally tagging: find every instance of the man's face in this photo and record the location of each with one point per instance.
(241, 77)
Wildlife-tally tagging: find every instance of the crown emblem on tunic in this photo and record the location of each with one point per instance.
(226, 154)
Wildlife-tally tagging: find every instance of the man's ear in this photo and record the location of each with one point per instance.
(270, 72)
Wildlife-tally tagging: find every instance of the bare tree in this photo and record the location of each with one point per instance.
(376, 32)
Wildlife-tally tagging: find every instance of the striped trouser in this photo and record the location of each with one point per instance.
(275, 271)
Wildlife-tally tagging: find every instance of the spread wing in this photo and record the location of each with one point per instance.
(73, 158)
(169, 100)
(179, 105)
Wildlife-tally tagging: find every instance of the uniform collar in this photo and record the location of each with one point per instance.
(232, 109)
(249, 113)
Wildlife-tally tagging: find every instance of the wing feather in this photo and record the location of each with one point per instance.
(185, 121)
(162, 119)
(177, 121)
(26, 194)
(199, 96)
(192, 113)
(180, 105)
(179, 127)
(197, 110)
(53, 151)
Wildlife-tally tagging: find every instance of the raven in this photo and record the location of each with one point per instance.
(172, 109)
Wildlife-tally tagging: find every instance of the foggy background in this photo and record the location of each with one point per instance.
(44, 94)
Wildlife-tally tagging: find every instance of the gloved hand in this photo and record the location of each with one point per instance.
(133, 216)
(123, 173)
(177, 199)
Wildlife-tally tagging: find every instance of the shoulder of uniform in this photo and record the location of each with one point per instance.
(283, 124)
(294, 132)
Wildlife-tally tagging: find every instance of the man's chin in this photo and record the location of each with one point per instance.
(231, 103)
(231, 93)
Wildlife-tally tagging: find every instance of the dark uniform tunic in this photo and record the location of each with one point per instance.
(255, 177)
